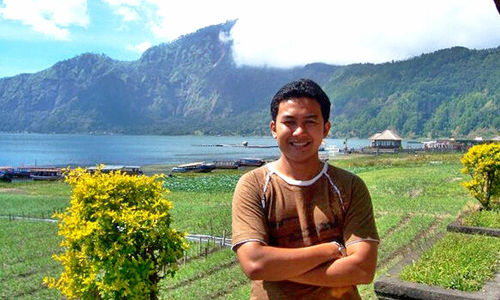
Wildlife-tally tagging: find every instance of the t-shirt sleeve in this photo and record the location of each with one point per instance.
(249, 222)
(359, 223)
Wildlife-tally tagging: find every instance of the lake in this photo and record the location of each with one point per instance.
(18, 149)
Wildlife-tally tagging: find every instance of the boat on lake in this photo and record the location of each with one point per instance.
(46, 174)
(226, 164)
(250, 162)
(6, 174)
(200, 167)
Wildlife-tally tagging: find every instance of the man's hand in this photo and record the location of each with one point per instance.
(260, 262)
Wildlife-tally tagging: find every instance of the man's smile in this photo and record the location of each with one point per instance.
(300, 144)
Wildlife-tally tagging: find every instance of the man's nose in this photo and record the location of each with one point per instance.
(299, 130)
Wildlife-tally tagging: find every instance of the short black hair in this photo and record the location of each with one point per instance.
(302, 88)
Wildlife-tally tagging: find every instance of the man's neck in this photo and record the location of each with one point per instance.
(298, 171)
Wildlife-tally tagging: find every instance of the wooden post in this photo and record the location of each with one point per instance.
(224, 237)
(185, 256)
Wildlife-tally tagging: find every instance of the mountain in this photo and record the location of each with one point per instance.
(451, 92)
(193, 86)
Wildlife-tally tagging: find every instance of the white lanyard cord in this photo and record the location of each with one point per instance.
(337, 191)
(263, 199)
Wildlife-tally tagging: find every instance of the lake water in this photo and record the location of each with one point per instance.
(87, 150)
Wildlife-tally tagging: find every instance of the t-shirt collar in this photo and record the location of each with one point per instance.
(272, 168)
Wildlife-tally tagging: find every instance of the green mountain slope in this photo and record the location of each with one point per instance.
(451, 92)
(193, 85)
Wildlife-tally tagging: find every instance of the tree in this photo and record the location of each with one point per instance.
(482, 163)
(117, 238)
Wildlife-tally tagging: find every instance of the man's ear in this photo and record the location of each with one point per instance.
(326, 129)
(272, 126)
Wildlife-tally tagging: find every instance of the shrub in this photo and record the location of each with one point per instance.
(117, 239)
(482, 163)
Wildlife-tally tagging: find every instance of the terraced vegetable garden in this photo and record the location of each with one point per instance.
(414, 198)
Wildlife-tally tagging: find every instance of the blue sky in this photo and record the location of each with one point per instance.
(35, 34)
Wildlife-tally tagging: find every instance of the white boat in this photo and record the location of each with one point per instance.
(332, 150)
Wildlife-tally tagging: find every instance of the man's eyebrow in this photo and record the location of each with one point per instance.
(309, 116)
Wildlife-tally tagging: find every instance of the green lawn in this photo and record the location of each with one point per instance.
(414, 198)
(458, 261)
(483, 218)
(26, 248)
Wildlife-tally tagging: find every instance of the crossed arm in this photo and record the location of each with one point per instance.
(320, 265)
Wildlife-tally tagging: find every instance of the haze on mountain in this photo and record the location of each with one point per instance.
(193, 86)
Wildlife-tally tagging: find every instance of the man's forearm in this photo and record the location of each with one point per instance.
(357, 268)
(336, 274)
(273, 263)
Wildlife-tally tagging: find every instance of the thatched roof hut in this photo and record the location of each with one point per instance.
(388, 139)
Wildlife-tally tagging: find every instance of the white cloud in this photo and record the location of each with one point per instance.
(139, 48)
(50, 17)
(129, 10)
(173, 20)
(360, 31)
(295, 32)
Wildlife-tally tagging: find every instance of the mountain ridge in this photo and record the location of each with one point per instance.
(193, 85)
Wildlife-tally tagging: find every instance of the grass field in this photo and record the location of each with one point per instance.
(458, 261)
(414, 197)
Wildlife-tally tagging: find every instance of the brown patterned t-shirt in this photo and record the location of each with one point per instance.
(333, 206)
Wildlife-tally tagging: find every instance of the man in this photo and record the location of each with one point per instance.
(293, 217)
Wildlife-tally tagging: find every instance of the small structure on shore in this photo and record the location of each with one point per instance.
(388, 139)
(443, 144)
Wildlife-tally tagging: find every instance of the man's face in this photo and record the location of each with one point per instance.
(299, 129)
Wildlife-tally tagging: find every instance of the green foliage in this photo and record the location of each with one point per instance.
(25, 255)
(209, 287)
(117, 237)
(458, 261)
(414, 198)
(199, 268)
(216, 183)
(387, 222)
(482, 163)
(203, 212)
(450, 92)
(483, 218)
(404, 235)
(33, 199)
(426, 188)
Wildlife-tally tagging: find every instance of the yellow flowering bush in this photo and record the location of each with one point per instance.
(482, 163)
(117, 239)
